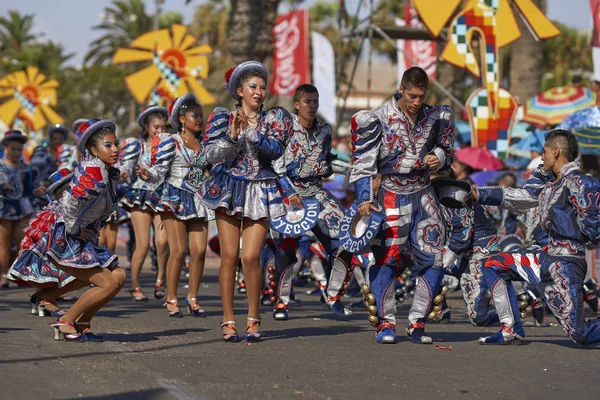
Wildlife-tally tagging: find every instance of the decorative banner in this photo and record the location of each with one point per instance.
(290, 53)
(32, 98)
(324, 76)
(176, 69)
(491, 110)
(422, 52)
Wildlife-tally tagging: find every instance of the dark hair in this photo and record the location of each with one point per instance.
(97, 136)
(302, 89)
(153, 115)
(565, 141)
(415, 77)
(508, 176)
(576, 79)
(253, 73)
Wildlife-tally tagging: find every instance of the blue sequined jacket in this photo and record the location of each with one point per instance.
(383, 142)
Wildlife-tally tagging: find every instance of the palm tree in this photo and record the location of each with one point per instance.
(250, 29)
(122, 22)
(526, 61)
(209, 25)
(49, 57)
(15, 31)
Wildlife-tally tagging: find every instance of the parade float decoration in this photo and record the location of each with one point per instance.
(29, 100)
(177, 66)
(491, 109)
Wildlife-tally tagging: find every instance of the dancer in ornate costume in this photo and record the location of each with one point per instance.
(307, 159)
(56, 155)
(569, 207)
(405, 141)
(33, 268)
(143, 199)
(179, 160)
(70, 240)
(243, 186)
(19, 184)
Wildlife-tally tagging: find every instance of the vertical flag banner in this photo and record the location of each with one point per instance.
(422, 52)
(324, 76)
(290, 53)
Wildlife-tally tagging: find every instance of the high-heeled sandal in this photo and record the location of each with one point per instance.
(159, 292)
(173, 313)
(44, 312)
(67, 336)
(196, 310)
(230, 337)
(140, 298)
(87, 331)
(252, 336)
(35, 301)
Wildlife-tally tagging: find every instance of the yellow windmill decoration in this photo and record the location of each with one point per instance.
(177, 67)
(31, 102)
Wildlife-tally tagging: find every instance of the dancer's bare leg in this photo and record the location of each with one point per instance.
(229, 237)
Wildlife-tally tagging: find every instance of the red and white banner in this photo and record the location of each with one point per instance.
(290, 55)
(422, 53)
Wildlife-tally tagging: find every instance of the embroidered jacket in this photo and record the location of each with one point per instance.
(175, 164)
(137, 153)
(23, 178)
(250, 157)
(90, 199)
(307, 159)
(569, 208)
(383, 142)
(42, 159)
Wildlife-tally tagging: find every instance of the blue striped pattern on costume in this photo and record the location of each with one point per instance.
(163, 149)
(130, 150)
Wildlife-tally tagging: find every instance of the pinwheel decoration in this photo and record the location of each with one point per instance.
(176, 67)
(491, 109)
(30, 98)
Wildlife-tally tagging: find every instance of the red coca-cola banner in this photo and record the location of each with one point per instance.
(422, 53)
(290, 55)
(595, 6)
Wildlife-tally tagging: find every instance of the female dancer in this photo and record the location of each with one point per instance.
(143, 199)
(56, 155)
(71, 241)
(243, 186)
(179, 160)
(33, 268)
(18, 185)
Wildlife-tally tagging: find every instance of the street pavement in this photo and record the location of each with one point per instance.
(314, 355)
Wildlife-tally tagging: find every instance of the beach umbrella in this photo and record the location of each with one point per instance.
(463, 131)
(479, 158)
(553, 106)
(585, 125)
(485, 178)
(520, 130)
(588, 117)
(533, 142)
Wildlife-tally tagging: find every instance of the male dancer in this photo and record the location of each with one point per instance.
(306, 161)
(405, 141)
(569, 210)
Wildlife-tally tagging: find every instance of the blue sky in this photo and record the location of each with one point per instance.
(70, 21)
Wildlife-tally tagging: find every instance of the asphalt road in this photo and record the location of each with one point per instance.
(314, 355)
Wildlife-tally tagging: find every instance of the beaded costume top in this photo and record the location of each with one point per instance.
(307, 159)
(90, 199)
(384, 142)
(250, 157)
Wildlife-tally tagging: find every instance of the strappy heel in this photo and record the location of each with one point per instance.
(44, 312)
(230, 337)
(195, 310)
(252, 336)
(159, 291)
(87, 331)
(140, 298)
(173, 313)
(68, 337)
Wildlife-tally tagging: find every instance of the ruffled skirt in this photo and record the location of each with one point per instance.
(144, 199)
(255, 200)
(46, 242)
(184, 205)
(120, 215)
(15, 210)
